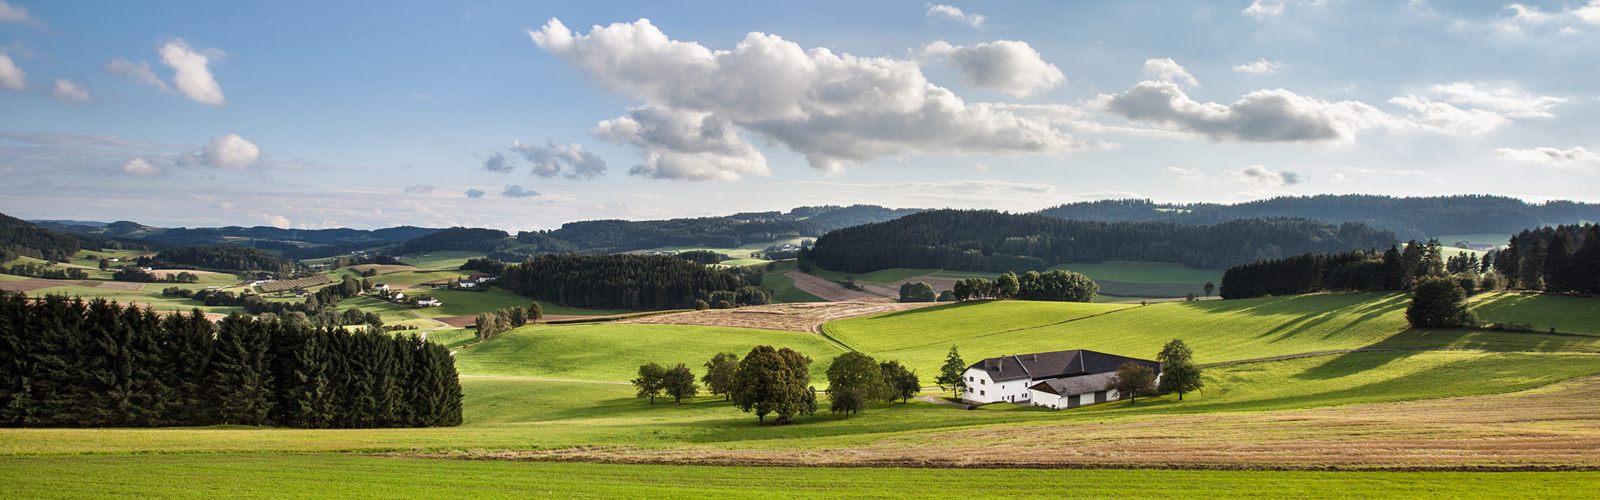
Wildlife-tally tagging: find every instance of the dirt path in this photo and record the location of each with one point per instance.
(835, 292)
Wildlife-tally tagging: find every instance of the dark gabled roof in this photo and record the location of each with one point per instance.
(1082, 384)
(1055, 364)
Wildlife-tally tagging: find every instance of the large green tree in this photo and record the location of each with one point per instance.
(773, 381)
(854, 379)
(1438, 302)
(950, 374)
(1178, 372)
(650, 381)
(1133, 380)
(721, 371)
(678, 382)
(899, 382)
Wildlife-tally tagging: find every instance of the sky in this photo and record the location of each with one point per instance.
(526, 115)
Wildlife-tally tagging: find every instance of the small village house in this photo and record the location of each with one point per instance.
(1058, 379)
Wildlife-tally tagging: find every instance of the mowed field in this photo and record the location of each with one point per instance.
(1118, 280)
(1523, 401)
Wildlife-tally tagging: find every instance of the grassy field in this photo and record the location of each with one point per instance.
(276, 476)
(614, 352)
(1118, 278)
(450, 260)
(1542, 312)
(1216, 330)
(1484, 238)
(562, 389)
(782, 287)
(416, 279)
(465, 303)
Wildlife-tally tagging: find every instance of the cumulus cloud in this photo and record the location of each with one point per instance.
(16, 14)
(1166, 69)
(835, 109)
(11, 76)
(1259, 67)
(953, 13)
(137, 71)
(69, 91)
(1504, 98)
(1260, 116)
(516, 191)
(1550, 156)
(474, 193)
(230, 151)
(1185, 173)
(140, 168)
(1262, 176)
(1008, 66)
(570, 160)
(499, 164)
(277, 221)
(419, 189)
(1533, 15)
(684, 145)
(192, 71)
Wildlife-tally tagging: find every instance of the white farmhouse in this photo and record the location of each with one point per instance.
(429, 302)
(1059, 379)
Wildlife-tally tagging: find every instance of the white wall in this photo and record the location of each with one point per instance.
(983, 389)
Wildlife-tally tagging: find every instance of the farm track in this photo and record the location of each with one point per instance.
(1547, 428)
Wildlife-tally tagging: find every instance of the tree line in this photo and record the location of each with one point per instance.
(20, 238)
(46, 270)
(621, 281)
(1057, 285)
(69, 363)
(777, 381)
(1409, 217)
(220, 258)
(491, 324)
(986, 240)
(1553, 259)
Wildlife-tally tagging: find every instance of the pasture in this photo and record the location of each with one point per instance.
(1541, 312)
(1125, 280)
(615, 351)
(446, 260)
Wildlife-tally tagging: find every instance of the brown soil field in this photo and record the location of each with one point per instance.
(457, 321)
(115, 285)
(1549, 428)
(828, 290)
(33, 284)
(798, 317)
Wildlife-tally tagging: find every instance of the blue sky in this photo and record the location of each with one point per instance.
(370, 114)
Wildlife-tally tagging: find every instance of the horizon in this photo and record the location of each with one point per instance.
(523, 117)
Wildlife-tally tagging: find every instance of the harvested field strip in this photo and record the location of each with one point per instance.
(797, 317)
(285, 285)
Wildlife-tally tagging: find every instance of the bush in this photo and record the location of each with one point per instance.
(701, 305)
(917, 292)
(1438, 302)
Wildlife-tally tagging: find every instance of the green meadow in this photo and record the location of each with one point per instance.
(1542, 312)
(444, 260)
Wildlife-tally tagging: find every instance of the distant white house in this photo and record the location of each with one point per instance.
(467, 284)
(381, 287)
(429, 302)
(1058, 379)
(398, 297)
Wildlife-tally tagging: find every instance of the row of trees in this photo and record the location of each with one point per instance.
(68, 363)
(1553, 259)
(46, 270)
(778, 381)
(1057, 285)
(220, 258)
(621, 281)
(490, 324)
(1363, 270)
(139, 275)
(982, 240)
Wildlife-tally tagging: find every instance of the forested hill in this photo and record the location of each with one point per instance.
(605, 236)
(1410, 218)
(22, 238)
(986, 240)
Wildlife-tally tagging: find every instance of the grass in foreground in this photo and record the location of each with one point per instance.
(276, 476)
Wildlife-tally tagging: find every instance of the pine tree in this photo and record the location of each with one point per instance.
(241, 388)
(952, 371)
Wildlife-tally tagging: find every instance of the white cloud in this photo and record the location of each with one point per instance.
(1504, 98)
(954, 13)
(69, 91)
(498, 163)
(517, 191)
(1185, 173)
(1262, 176)
(1260, 116)
(1550, 156)
(277, 221)
(475, 193)
(1446, 118)
(1166, 69)
(139, 72)
(11, 76)
(16, 14)
(570, 160)
(1532, 15)
(684, 145)
(1007, 66)
(231, 151)
(192, 72)
(139, 167)
(1262, 9)
(835, 109)
(1259, 67)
